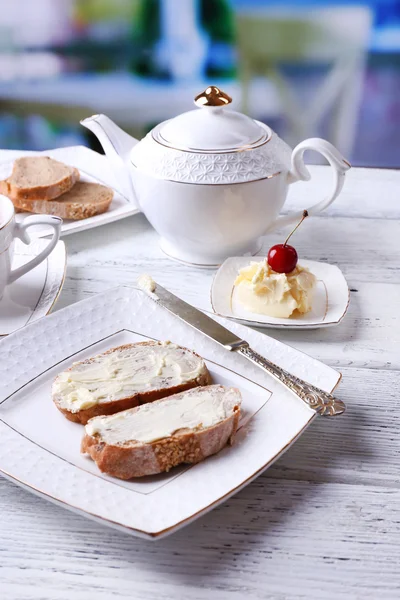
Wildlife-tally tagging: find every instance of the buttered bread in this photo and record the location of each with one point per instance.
(125, 377)
(150, 439)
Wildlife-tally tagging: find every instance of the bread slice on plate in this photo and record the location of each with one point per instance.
(125, 377)
(84, 200)
(150, 439)
(38, 178)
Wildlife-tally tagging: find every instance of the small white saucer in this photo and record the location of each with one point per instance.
(330, 303)
(33, 295)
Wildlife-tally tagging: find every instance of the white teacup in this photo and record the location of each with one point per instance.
(9, 230)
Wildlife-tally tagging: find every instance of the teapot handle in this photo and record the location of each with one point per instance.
(299, 172)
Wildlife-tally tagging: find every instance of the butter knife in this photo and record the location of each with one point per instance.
(322, 402)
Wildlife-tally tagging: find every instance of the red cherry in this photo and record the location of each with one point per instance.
(282, 258)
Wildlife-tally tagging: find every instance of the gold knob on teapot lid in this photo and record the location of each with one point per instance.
(212, 96)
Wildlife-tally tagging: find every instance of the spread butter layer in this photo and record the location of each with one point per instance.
(195, 409)
(123, 373)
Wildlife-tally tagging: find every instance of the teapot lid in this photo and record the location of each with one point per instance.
(211, 129)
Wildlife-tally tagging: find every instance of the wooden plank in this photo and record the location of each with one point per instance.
(360, 447)
(369, 335)
(365, 251)
(277, 539)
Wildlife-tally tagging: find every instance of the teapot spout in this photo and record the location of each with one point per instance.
(117, 146)
(114, 140)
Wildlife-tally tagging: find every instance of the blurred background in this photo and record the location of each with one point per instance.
(317, 68)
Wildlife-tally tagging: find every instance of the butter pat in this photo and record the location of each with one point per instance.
(125, 372)
(261, 290)
(195, 409)
(146, 283)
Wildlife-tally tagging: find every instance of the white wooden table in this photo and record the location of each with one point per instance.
(324, 521)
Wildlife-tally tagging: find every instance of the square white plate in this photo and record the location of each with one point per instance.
(39, 448)
(330, 302)
(93, 167)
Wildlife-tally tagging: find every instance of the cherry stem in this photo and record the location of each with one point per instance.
(305, 214)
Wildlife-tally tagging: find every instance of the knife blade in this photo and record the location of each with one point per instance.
(197, 319)
(321, 402)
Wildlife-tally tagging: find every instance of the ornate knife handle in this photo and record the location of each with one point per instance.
(322, 402)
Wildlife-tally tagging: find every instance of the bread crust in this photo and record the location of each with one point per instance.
(126, 462)
(39, 192)
(70, 205)
(109, 408)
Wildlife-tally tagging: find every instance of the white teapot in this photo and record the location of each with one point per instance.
(211, 181)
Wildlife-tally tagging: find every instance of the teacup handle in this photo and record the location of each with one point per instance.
(20, 231)
(299, 172)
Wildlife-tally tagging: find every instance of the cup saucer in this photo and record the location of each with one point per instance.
(330, 303)
(34, 294)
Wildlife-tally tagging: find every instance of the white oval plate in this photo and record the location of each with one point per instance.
(40, 449)
(34, 294)
(330, 303)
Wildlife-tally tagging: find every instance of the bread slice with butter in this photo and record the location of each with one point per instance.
(38, 178)
(125, 377)
(183, 428)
